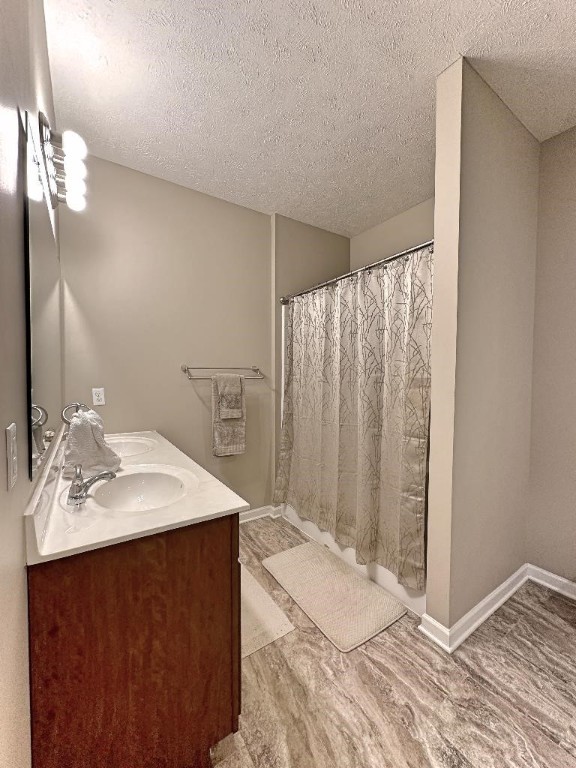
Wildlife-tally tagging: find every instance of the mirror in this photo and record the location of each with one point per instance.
(44, 307)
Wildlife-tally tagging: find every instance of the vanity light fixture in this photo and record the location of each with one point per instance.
(34, 180)
(63, 155)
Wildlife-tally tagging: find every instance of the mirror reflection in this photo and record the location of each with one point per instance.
(44, 316)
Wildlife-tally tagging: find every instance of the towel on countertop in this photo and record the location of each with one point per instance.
(228, 431)
(85, 445)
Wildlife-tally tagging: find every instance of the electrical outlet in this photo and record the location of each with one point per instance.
(11, 456)
(98, 396)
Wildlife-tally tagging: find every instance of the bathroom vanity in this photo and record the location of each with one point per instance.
(135, 615)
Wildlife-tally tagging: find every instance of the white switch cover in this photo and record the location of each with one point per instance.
(98, 396)
(11, 455)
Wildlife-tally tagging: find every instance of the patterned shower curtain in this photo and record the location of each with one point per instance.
(354, 444)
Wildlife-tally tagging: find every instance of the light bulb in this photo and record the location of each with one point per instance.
(75, 168)
(75, 201)
(74, 145)
(75, 186)
(35, 191)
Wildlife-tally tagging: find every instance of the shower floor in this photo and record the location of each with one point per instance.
(506, 697)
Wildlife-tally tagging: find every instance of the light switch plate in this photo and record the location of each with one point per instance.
(98, 397)
(11, 456)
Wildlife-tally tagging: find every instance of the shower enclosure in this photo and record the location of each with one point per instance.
(354, 442)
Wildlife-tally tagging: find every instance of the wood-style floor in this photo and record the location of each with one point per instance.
(505, 698)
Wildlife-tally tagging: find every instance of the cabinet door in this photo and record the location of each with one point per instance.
(133, 651)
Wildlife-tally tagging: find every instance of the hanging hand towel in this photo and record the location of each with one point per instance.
(85, 445)
(230, 395)
(228, 431)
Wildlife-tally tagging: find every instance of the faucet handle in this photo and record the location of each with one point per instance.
(78, 473)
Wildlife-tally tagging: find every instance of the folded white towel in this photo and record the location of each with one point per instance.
(85, 445)
(228, 432)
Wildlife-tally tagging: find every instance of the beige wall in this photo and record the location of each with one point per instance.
(24, 83)
(496, 242)
(306, 255)
(303, 256)
(496, 279)
(158, 275)
(443, 361)
(551, 527)
(407, 229)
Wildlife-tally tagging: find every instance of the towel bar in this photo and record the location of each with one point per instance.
(77, 407)
(187, 368)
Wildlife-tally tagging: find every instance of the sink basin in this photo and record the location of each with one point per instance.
(130, 446)
(144, 488)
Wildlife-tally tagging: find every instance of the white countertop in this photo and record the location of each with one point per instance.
(54, 530)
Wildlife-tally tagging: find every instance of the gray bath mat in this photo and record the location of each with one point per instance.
(262, 620)
(345, 607)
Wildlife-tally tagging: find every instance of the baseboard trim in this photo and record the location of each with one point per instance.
(256, 514)
(450, 638)
(552, 581)
(436, 632)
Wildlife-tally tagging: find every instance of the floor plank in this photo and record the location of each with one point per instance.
(505, 699)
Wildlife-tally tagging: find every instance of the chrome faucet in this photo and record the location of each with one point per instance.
(79, 487)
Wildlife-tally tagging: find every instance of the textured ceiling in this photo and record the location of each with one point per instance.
(322, 110)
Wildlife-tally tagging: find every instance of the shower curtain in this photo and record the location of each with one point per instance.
(354, 443)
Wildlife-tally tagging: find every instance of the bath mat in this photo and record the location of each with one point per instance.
(345, 607)
(262, 620)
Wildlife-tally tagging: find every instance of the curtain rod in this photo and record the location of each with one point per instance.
(287, 299)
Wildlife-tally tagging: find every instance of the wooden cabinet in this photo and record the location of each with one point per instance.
(135, 651)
